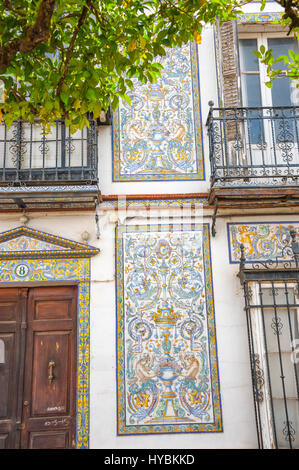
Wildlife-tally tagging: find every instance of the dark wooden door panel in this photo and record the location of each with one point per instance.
(51, 373)
(49, 440)
(3, 441)
(38, 367)
(49, 310)
(9, 303)
(49, 389)
(7, 347)
(12, 342)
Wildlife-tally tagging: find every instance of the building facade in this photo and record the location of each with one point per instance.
(149, 264)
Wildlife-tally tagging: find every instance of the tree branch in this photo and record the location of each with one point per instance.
(70, 49)
(34, 35)
(291, 12)
(14, 10)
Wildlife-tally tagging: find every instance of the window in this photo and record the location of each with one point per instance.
(253, 72)
(258, 127)
(273, 322)
(256, 94)
(271, 123)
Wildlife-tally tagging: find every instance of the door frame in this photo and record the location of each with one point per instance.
(49, 269)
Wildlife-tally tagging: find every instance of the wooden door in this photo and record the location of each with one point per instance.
(37, 408)
(12, 347)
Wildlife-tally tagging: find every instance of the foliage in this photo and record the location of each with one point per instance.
(284, 65)
(68, 58)
(288, 65)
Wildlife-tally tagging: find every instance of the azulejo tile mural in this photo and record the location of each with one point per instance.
(30, 243)
(263, 241)
(264, 17)
(158, 136)
(40, 262)
(167, 373)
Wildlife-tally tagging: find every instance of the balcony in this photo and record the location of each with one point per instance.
(254, 157)
(254, 149)
(54, 170)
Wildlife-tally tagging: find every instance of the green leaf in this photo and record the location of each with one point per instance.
(257, 54)
(91, 94)
(262, 49)
(64, 97)
(118, 40)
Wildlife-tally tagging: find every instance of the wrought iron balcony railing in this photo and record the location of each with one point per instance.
(254, 146)
(29, 157)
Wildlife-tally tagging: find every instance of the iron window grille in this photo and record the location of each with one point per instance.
(271, 292)
(254, 145)
(27, 156)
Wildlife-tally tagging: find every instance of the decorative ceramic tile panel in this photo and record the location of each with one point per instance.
(128, 203)
(262, 241)
(48, 189)
(24, 243)
(158, 136)
(29, 243)
(166, 345)
(264, 17)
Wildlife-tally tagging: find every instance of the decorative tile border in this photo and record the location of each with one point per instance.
(48, 189)
(262, 241)
(278, 181)
(167, 372)
(36, 244)
(146, 203)
(159, 137)
(264, 17)
(45, 270)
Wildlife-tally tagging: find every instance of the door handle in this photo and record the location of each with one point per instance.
(51, 366)
(20, 426)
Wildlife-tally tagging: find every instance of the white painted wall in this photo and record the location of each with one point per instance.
(231, 333)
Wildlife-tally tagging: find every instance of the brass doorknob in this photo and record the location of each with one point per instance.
(51, 366)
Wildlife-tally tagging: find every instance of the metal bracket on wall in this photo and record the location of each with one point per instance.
(214, 218)
(98, 233)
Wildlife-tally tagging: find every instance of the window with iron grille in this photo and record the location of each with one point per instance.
(27, 155)
(272, 311)
(254, 137)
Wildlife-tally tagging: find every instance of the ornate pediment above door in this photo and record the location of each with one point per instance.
(23, 242)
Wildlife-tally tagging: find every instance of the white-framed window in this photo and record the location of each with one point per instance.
(271, 128)
(273, 322)
(254, 73)
(256, 94)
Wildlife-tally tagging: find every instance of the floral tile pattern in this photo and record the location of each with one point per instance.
(25, 243)
(264, 17)
(158, 136)
(263, 241)
(166, 345)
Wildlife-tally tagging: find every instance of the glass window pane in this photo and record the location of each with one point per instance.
(281, 95)
(252, 98)
(286, 433)
(284, 91)
(281, 328)
(281, 46)
(251, 90)
(248, 61)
